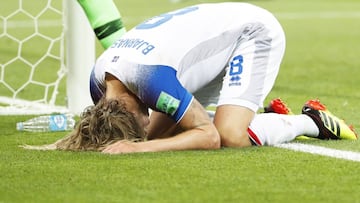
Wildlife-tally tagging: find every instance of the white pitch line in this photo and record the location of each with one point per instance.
(335, 153)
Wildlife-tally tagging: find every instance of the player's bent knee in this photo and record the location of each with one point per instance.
(234, 139)
(232, 122)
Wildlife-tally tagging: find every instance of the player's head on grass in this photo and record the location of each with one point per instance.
(101, 125)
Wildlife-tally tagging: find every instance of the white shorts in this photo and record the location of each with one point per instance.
(251, 71)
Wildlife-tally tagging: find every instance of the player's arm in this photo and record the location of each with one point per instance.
(105, 19)
(198, 133)
(161, 126)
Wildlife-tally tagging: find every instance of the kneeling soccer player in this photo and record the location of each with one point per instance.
(179, 62)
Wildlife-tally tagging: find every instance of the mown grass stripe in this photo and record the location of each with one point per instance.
(318, 15)
(138, 19)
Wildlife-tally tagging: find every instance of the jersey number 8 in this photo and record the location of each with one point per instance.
(158, 20)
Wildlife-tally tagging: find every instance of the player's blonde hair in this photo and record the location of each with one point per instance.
(99, 126)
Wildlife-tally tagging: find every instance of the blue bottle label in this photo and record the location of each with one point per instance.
(57, 122)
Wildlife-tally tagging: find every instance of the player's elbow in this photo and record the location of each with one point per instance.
(213, 140)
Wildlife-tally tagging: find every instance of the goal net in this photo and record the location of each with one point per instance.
(47, 50)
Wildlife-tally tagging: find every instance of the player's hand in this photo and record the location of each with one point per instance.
(121, 147)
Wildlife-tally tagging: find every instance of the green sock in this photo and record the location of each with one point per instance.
(105, 19)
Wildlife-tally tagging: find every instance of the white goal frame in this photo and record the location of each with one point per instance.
(80, 46)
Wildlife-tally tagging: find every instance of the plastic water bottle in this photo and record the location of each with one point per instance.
(48, 123)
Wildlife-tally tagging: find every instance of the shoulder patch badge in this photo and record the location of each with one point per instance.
(167, 103)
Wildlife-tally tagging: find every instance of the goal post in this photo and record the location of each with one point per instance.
(80, 57)
(47, 53)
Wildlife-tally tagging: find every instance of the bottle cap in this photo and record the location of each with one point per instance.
(20, 126)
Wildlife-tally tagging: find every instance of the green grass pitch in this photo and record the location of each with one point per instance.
(321, 61)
